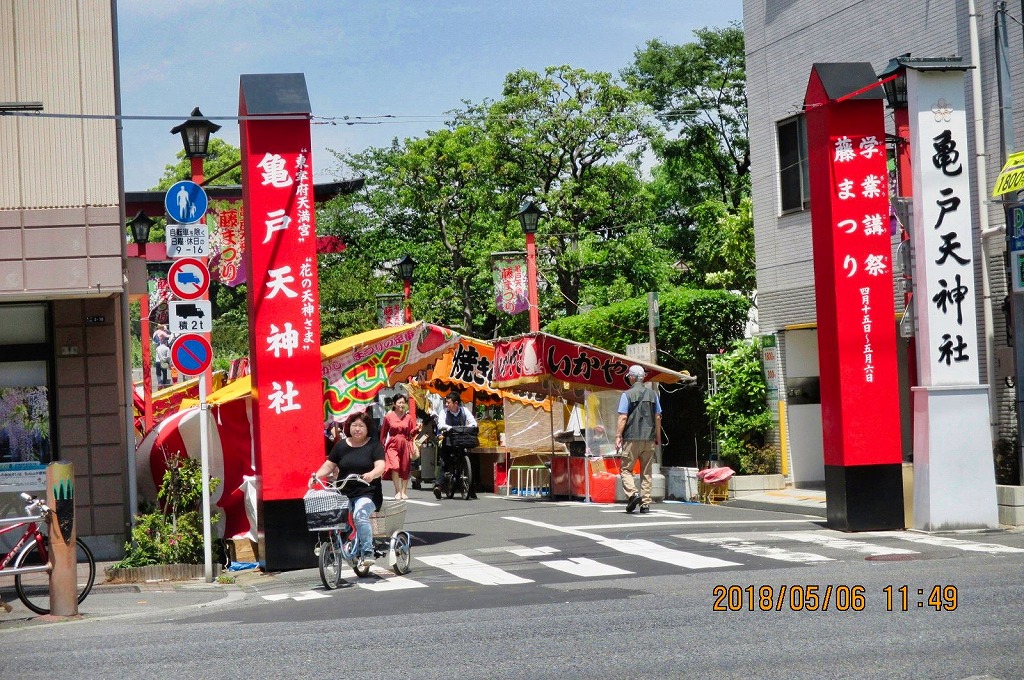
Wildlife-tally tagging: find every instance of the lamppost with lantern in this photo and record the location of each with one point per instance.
(405, 268)
(140, 226)
(195, 138)
(528, 215)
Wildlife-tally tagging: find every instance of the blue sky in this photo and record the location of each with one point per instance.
(413, 59)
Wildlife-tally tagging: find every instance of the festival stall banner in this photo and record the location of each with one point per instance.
(552, 365)
(468, 369)
(511, 294)
(353, 378)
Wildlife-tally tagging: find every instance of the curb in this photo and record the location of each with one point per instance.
(812, 510)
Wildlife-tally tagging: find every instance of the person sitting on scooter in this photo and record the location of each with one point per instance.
(454, 414)
(358, 453)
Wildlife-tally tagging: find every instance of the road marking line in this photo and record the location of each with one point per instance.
(390, 581)
(660, 553)
(633, 524)
(298, 597)
(469, 569)
(745, 547)
(959, 544)
(427, 503)
(585, 567)
(533, 552)
(844, 543)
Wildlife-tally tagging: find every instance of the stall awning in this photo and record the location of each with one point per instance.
(466, 369)
(548, 364)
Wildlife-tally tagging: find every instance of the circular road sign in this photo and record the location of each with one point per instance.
(188, 278)
(185, 202)
(191, 354)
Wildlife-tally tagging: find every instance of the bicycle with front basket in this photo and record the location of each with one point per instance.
(327, 512)
(30, 559)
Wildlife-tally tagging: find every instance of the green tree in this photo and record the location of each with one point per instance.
(738, 406)
(724, 247)
(698, 91)
(574, 140)
(222, 157)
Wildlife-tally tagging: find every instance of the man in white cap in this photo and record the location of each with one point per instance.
(639, 431)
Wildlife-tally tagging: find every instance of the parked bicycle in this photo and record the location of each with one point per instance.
(327, 511)
(31, 559)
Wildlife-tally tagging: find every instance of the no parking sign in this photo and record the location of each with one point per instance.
(191, 354)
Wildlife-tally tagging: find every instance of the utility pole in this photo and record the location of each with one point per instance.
(1011, 208)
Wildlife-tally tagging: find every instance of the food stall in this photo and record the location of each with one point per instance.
(585, 466)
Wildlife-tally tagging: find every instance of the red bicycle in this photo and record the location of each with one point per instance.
(31, 559)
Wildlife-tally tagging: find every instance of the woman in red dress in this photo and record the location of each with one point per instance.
(396, 434)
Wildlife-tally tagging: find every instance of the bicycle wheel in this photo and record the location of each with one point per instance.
(465, 482)
(330, 564)
(450, 486)
(34, 588)
(402, 544)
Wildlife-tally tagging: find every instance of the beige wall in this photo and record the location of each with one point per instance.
(61, 235)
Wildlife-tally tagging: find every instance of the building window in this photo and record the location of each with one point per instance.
(794, 185)
(26, 403)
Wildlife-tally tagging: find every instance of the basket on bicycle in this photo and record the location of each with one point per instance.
(389, 519)
(325, 509)
(462, 436)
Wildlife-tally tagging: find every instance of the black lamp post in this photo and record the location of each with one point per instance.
(528, 215)
(140, 226)
(405, 269)
(195, 134)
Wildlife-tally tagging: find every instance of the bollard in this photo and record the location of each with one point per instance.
(60, 496)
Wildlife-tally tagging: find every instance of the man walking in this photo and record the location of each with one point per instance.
(639, 431)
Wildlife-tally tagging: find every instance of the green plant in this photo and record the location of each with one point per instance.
(172, 533)
(1007, 462)
(738, 408)
(225, 578)
(760, 461)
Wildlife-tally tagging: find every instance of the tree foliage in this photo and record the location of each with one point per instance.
(738, 406)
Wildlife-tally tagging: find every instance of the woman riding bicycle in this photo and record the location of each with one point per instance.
(357, 453)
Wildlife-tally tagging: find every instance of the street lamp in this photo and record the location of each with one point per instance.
(140, 226)
(405, 268)
(528, 215)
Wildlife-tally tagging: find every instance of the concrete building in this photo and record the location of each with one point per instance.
(63, 306)
(784, 38)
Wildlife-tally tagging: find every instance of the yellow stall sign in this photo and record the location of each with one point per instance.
(1011, 177)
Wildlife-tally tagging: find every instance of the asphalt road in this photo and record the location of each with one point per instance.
(521, 589)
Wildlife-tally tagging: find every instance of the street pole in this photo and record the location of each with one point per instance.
(147, 361)
(653, 321)
(408, 300)
(531, 276)
(204, 466)
(197, 176)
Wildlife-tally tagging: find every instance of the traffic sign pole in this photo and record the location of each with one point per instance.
(204, 467)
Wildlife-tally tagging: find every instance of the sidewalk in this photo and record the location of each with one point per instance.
(800, 501)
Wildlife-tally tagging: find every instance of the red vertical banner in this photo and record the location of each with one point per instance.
(284, 305)
(853, 278)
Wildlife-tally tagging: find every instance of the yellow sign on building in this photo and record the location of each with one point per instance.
(1011, 177)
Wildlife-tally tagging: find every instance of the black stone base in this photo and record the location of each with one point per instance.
(864, 497)
(285, 542)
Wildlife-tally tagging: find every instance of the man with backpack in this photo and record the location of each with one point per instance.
(638, 433)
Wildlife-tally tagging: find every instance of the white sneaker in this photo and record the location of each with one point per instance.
(366, 562)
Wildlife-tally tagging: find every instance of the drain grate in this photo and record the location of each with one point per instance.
(893, 558)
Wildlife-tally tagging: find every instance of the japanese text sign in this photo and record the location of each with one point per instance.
(853, 278)
(284, 305)
(511, 294)
(943, 240)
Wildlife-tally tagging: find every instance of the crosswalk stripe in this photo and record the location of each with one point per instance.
(746, 547)
(469, 569)
(659, 553)
(585, 567)
(844, 543)
(298, 597)
(959, 544)
(390, 581)
(533, 552)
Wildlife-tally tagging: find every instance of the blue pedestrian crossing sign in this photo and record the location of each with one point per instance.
(185, 202)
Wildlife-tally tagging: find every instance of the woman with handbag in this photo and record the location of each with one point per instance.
(396, 433)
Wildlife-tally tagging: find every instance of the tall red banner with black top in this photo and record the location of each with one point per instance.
(284, 309)
(860, 407)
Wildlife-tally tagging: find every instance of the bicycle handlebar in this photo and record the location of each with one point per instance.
(342, 483)
(34, 503)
